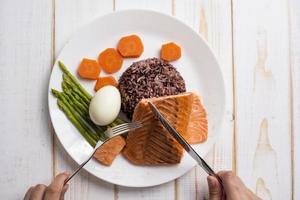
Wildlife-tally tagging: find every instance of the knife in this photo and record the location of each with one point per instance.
(183, 142)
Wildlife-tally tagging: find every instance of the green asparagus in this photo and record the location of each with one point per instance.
(83, 117)
(75, 93)
(74, 102)
(72, 87)
(80, 119)
(74, 80)
(83, 107)
(83, 132)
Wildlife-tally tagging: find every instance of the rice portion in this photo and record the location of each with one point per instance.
(148, 78)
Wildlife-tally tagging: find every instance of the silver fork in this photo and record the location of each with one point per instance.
(110, 133)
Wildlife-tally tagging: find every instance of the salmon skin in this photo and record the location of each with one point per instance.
(153, 144)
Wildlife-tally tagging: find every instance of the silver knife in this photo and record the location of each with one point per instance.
(183, 142)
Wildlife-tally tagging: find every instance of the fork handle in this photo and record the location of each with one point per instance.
(80, 167)
(100, 143)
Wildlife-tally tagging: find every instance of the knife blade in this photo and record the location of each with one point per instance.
(183, 142)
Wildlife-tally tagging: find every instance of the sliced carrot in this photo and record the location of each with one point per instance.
(110, 60)
(89, 69)
(130, 46)
(104, 81)
(170, 52)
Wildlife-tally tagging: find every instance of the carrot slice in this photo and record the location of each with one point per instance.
(104, 81)
(110, 60)
(130, 46)
(89, 69)
(170, 52)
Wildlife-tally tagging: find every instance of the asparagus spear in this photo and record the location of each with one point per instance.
(68, 90)
(73, 84)
(87, 101)
(79, 118)
(119, 121)
(79, 104)
(74, 80)
(74, 102)
(68, 87)
(84, 114)
(83, 132)
(76, 93)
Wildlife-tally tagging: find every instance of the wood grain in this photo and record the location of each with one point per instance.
(212, 19)
(294, 28)
(163, 6)
(69, 16)
(262, 88)
(262, 81)
(25, 59)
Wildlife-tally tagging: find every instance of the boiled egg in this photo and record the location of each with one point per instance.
(105, 105)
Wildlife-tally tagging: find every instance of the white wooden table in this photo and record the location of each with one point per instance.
(258, 45)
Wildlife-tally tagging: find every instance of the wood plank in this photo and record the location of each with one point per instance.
(263, 118)
(165, 191)
(69, 16)
(212, 19)
(163, 6)
(25, 59)
(295, 76)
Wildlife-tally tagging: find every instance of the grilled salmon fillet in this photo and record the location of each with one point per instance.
(109, 151)
(198, 127)
(152, 144)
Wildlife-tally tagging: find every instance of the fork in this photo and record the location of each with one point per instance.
(110, 133)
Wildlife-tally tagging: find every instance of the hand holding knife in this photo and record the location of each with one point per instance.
(183, 142)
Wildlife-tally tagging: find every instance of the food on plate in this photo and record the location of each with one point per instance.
(148, 78)
(108, 151)
(110, 60)
(74, 81)
(105, 105)
(153, 144)
(198, 125)
(89, 69)
(152, 79)
(75, 118)
(74, 101)
(104, 81)
(170, 52)
(130, 46)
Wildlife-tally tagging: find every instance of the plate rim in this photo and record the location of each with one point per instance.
(80, 29)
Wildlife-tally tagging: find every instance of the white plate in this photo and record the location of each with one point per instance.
(198, 66)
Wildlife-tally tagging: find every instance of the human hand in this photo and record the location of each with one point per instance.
(233, 186)
(55, 191)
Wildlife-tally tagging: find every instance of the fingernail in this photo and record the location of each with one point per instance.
(211, 182)
(66, 173)
(66, 186)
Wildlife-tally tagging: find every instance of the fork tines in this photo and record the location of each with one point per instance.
(126, 127)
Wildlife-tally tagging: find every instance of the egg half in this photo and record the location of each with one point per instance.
(105, 105)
